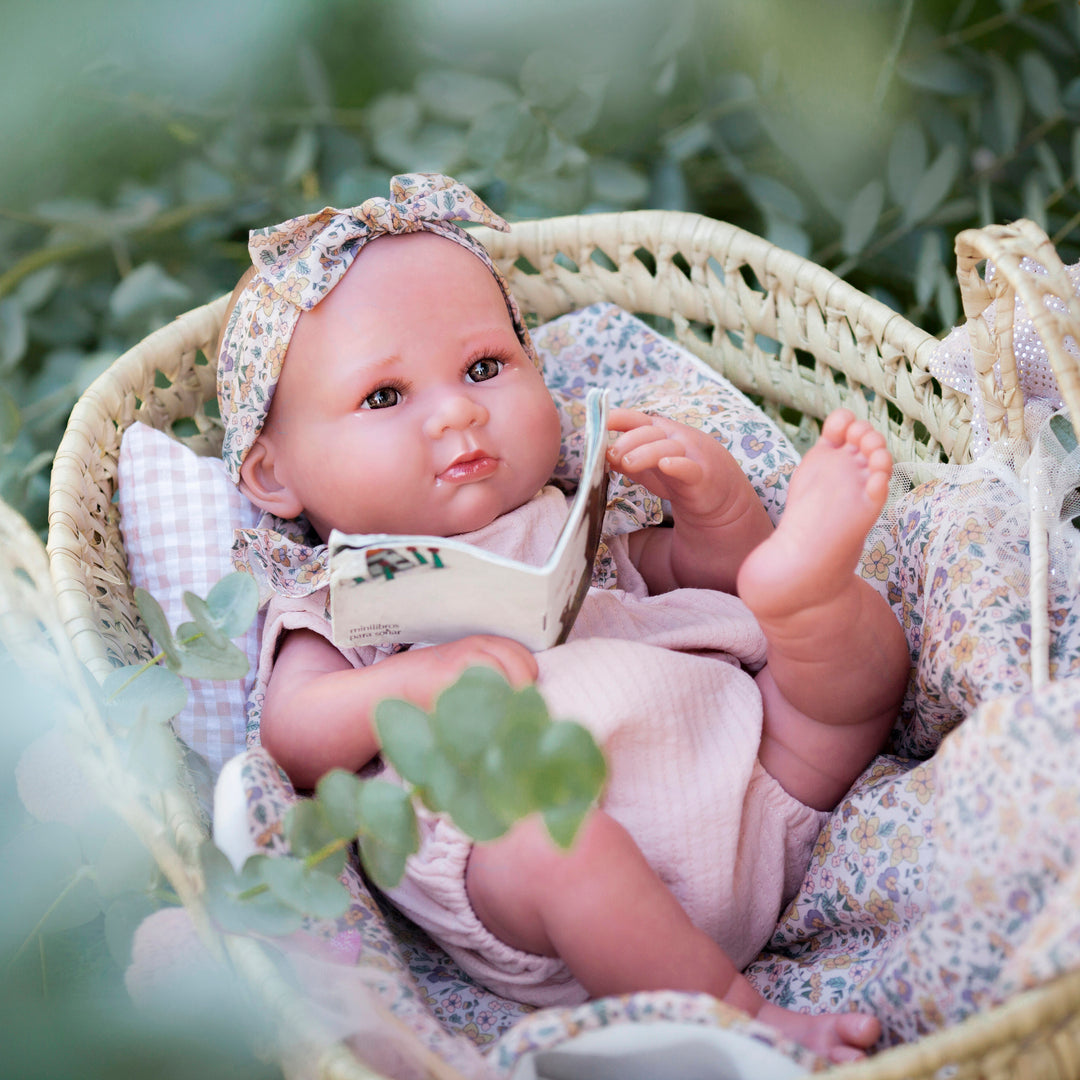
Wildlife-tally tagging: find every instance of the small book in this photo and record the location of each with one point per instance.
(430, 589)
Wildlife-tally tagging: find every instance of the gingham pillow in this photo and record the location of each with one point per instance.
(177, 516)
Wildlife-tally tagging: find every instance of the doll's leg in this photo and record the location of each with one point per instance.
(837, 658)
(602, 909)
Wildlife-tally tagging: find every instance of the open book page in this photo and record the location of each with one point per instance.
(430, 589)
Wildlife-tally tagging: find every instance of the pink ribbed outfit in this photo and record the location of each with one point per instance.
(662, 682)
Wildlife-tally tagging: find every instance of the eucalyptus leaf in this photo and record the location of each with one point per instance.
(386, 813)
(433, 147)
(152, 752)
(571, 767)
(580, 113)
(406, 738)
(261, 913)
(124, 864)
(1049, 164)
(785, 233)
(946, 300)
(205, 621)
(986, 202)
(509, 763)
(394, 112)
(14, 335)
(550, 77)
(862, 217)
(929, 267)
(48, 883)
(473, 813)
(384, 866)
(201, 659)
(563, 822)
(934, 185)
(35, 289)
(1008, 104)
(444, 780)
(771, 194)
(1063, 431)
(158, 626)
(1070, 96)
(316, 80)
(1040, 84)
(666, 77)
(148, 287)
(10, 417)
(1050, 38)
(508, 132)
(306, 890)
(689, 139)
(668, 189)
(908, 155)
(942, 74)
(308, 832)
(470, 712)
(233, 603)
(617, 183)
(1034, 196)
(301, 157)
(460, 96)
(338, 795)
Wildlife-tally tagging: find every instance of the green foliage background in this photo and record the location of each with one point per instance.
(141, 141)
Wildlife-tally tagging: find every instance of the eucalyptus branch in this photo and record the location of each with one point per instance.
(152, 662)
(98, 241)
(81, 874)
(309, 861)
(977, 30)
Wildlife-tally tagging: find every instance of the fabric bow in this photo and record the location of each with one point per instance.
(299, 261)
(303, 259)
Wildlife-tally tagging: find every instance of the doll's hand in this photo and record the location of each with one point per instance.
(686, 466)
(511, 658)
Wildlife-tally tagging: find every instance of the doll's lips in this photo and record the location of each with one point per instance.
(468, 467)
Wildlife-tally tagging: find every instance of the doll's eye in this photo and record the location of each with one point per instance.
(485, 368)
(382, 398)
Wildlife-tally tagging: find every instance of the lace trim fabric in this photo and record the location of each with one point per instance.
(952, 361)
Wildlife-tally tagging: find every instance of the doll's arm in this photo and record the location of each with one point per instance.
(718, 518)
(319, 709)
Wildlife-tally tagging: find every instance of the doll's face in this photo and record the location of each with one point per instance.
(406, 402)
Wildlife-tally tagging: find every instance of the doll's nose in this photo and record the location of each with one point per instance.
(454, 413)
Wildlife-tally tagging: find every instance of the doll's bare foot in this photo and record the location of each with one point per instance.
(837, 660)
(835, 496)
(837, 1037)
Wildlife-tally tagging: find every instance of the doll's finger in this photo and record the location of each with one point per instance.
(649, 455)
(681, 469)
(513, 660)
(628, 419)
(631, 441)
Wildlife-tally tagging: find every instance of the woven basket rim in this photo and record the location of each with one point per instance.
(1016, 1020)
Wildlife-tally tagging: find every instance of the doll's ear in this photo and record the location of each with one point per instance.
(260, 482)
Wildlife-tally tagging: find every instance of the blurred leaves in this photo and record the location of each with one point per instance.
(488, 755)
(849, 134)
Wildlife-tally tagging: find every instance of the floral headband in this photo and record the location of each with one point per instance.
(300, 261)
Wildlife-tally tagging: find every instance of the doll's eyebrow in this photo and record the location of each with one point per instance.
(372, 369)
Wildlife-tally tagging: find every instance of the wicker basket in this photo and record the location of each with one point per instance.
(786, 331)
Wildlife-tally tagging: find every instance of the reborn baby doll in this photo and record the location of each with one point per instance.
(738, 677)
